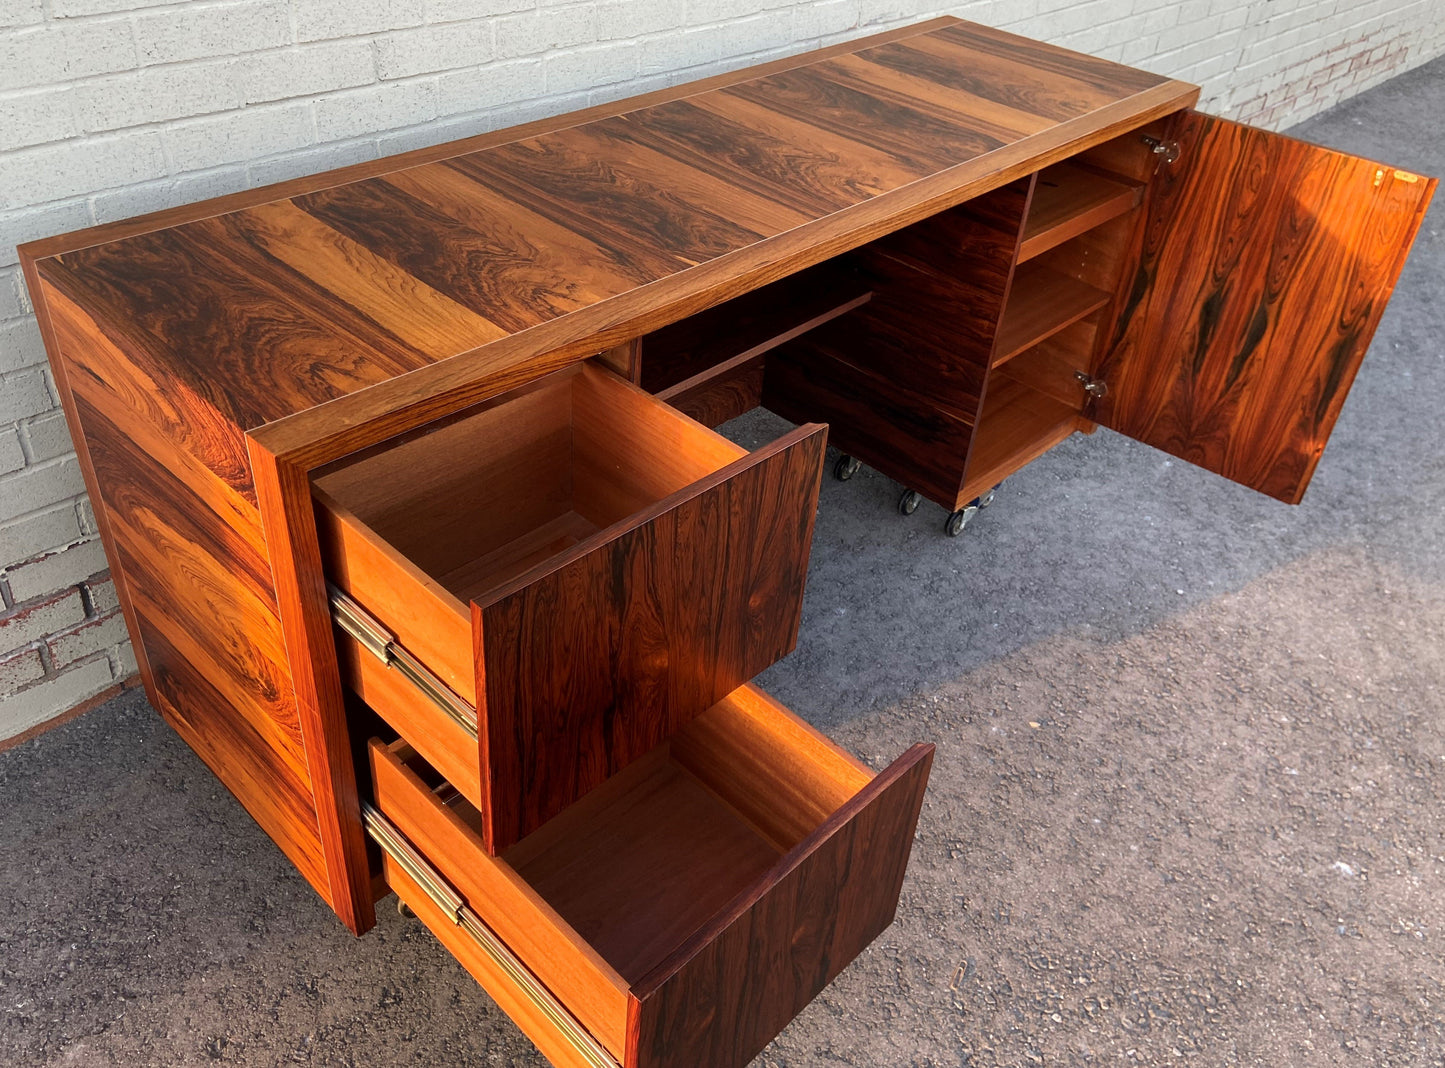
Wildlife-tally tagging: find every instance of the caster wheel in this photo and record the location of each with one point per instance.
(404, 910)
(987, 498)
(909, 502)
(846, 468)
(953, 527)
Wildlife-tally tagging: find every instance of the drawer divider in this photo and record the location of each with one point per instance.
(382, 644)
(401, 852)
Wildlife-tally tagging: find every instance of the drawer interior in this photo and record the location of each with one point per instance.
(670, 861)
(651, 856)
(479, 499)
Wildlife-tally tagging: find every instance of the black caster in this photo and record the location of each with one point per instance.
(955, 523)
(846, 467)
(987, 498)
(909, 502)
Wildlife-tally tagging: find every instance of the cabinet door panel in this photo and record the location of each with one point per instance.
(1265, 267)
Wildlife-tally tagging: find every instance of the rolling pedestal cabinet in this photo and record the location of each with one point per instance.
(406, 477)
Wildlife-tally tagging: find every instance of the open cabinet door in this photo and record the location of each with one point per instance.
(1265, 266)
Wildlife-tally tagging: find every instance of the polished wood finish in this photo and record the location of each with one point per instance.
(721, 393)
(592, 663)
(446, 829)
(1041, 303)
(663, 886)
(1018, 426)
(1266, 267)
(509, 997)
(415, 379)
(650, 568)
(901, 380)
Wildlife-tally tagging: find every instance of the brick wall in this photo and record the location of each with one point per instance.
(110, 108)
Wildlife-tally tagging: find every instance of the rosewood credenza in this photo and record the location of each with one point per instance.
(407, 477)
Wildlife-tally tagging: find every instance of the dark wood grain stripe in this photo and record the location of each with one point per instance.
(259, 339)
(920, 139)
(633, 219)
(423, 318)
(120, 361)
(494, 271)
(768, 166)
(697, 185)
(1237, 356)
(1000, 80)
(869, 171)
(1113, 81)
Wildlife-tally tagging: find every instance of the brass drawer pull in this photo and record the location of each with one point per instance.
(395, 846)
(382, 644)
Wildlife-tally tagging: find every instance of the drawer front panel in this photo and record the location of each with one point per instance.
(531, 1006)
(592, 664)
(724, 996)
(590, 989)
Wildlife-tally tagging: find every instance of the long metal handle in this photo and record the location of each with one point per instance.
(394, 844)
(382, 644)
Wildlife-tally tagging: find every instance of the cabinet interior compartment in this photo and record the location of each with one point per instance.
(710, 365)
(900, 380)
(1070, 198)
(1077, 240)
(484, 497)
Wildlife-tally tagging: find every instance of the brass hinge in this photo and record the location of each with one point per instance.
(382, 644)
(1094, 387)
(1169, 150)
(394, 844)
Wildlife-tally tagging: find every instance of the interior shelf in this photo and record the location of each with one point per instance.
(1017, 425)
(1043, 301)
(681, 357)
(1068, 200)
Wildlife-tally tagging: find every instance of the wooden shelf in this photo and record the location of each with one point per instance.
(1069, 200)
(680, 358)
(1017, 426)
(1042, 302)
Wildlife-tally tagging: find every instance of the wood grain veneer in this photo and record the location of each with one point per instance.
(215, 360)
(1237, 355)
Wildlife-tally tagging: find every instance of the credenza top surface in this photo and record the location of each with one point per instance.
(508, 245)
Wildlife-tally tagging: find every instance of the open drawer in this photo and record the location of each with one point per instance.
(682, 913)
(540, 590)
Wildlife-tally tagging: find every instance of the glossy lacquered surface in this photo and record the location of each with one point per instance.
(241, 344)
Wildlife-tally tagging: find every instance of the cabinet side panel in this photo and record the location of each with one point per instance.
(236, 753)
(184, 540)
(198, 583)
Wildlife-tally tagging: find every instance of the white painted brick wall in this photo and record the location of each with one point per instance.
(110, 108)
